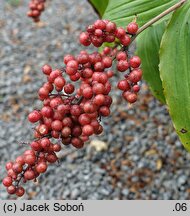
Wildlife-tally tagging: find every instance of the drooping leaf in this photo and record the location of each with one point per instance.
(148, 45)
(175, 71)
(123, 11)
(99, 6)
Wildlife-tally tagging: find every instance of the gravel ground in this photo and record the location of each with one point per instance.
(138, 156)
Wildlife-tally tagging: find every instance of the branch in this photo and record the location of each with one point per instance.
(155, 19)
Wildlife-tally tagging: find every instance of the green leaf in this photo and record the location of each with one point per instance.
(99, 6)
(175, 71)
(123, 11)
(148, 45)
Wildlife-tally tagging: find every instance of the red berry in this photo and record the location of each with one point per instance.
(132, 28)
(135, 76)
(126, 40)
(35, 146)
(104, 111)
(46, 69)
(122, 65)
(7, 181)
(56, 147)
(57, 125)
(77, 142)
(135, 62)
(136, 88)
(100, 24)
(34, 116)
(69, 88)
(123, 85)
(45, 143)
(111, 27)
(99, 99)
(130, 97)
(84, 119)
(11, 189)
(121, 56)
(29, 175)
(68, 58)
(41, 167)
(120, 32)
(84, 39)
(47, 111)
(59, 82)
(9, 165)
(43, 129)
(87, 130)
(20, 191)
(17, 167)
(87, 92)
(51, 158)
(43, 93)
(29, 159)
(75, 110)
(20, 160)
(66, 132)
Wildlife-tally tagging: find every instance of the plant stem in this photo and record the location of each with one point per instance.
(155, 19)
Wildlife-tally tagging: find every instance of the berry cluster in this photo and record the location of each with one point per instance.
(106, 31)
(70, 115)
(30, 165)
(129, 85)
(72, 118)
(36, 7)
